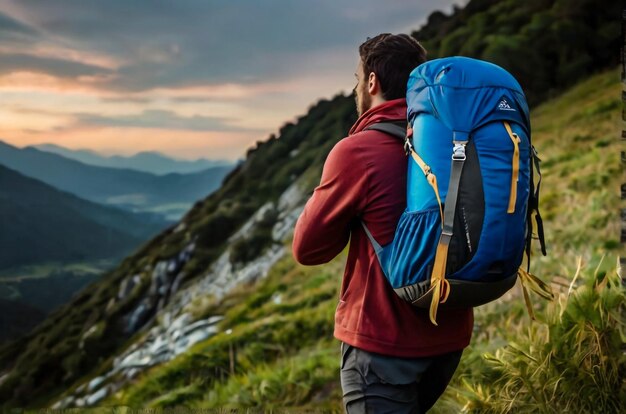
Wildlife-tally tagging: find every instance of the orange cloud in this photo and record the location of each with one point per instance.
(127, 141)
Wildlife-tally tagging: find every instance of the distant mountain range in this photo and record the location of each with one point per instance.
(148, 161)
(40, 223)
(171, 194)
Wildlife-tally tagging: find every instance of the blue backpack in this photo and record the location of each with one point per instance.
(470, 191)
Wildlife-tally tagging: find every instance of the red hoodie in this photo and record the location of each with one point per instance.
(364, 178)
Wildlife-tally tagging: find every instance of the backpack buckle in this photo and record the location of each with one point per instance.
(458, 153)
(408, 147)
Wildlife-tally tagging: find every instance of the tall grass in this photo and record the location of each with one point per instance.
(571, 361)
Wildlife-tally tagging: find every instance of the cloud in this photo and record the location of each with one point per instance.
(14, 31)
(127, 99)
(96, 73)
(161, 119)
(191, 43)
(192, 99)
(19, 62)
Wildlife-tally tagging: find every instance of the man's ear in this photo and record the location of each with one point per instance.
(373, 85)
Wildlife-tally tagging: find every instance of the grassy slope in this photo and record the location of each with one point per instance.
(578, 139)
(284, 354)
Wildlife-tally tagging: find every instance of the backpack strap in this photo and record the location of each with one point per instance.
(398, 130)
(538, 219)
(438, 282)
(431, 178)
(393, 128)
(533, 207)
(527, 279)
(514, 167)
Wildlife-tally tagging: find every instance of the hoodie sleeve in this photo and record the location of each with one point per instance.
(323, 229)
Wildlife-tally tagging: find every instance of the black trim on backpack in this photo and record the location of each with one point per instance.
(469, 213)
(533, 207)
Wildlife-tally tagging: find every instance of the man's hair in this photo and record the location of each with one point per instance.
(391, 58)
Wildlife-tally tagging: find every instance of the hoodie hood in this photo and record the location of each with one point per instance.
(394, 110)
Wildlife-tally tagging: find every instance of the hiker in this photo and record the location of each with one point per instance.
(393, 359)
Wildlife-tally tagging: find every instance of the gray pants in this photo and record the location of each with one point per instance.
(375, 383)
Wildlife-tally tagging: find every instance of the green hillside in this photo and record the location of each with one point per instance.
(548, 45)
(17, 318)
(274, 347)
(577, 138)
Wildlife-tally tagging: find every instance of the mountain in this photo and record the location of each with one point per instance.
(214, 312)
(129, 189)
(17, 319)
(148, 161)
(40, 224)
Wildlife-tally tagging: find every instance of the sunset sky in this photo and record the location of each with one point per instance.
(187, 78)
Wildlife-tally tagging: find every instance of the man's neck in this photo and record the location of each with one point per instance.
(377, 100)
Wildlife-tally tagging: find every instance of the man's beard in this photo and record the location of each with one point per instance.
(364, 104)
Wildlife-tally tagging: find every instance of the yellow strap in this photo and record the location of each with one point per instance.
(532, 282)
(529, 306)
(425, 168)
(441, 287)
(535, 284)
(515, 166)
(431, 178)
(439, 268)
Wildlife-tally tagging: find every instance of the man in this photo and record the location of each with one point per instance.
(393, 358)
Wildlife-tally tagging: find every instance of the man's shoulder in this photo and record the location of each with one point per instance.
(360, 139)
(368, 140)
(364, 149)
(344, 150)
(354, 145)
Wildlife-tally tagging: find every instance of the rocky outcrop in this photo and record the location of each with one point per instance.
(165, 312)
(164, 281)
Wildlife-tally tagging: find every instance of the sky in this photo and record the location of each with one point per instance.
(190, 79)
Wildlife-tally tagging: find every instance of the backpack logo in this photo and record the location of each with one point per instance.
(504, 105)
